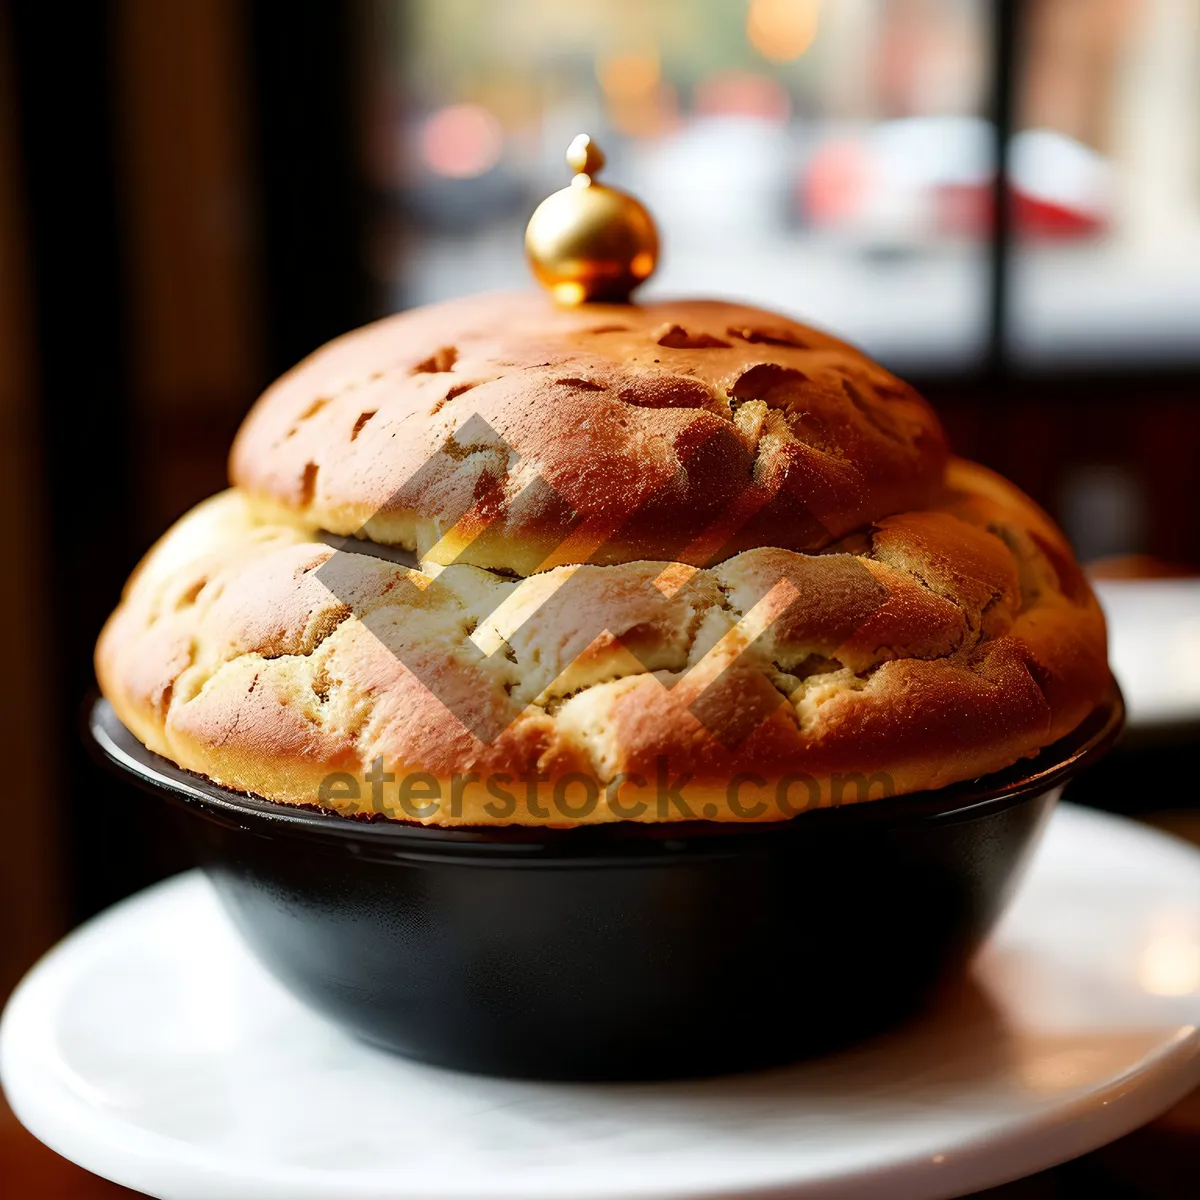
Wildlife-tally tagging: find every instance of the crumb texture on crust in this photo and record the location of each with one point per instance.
(928, 646)
(671, 431)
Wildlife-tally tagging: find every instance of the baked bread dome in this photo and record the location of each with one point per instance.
(495, 562)
(671, 432)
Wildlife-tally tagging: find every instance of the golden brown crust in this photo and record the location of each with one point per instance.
(675, 430)
(934, 645)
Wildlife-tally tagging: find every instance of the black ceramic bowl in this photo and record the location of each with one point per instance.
(620, 951)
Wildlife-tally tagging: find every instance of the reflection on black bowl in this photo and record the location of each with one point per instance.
(623, 951)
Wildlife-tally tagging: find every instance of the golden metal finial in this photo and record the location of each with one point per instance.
(584, 157)
(590, 241)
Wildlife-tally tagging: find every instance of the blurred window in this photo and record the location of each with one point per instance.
(825, 158)
(1106, 180)
(831, 158)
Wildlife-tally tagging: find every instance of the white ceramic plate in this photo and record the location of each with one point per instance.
(150, 1048)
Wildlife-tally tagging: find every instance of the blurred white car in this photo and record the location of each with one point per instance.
(909, 181)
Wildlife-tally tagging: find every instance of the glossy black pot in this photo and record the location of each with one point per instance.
(621, 951)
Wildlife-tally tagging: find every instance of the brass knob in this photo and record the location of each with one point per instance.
(590, 241)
